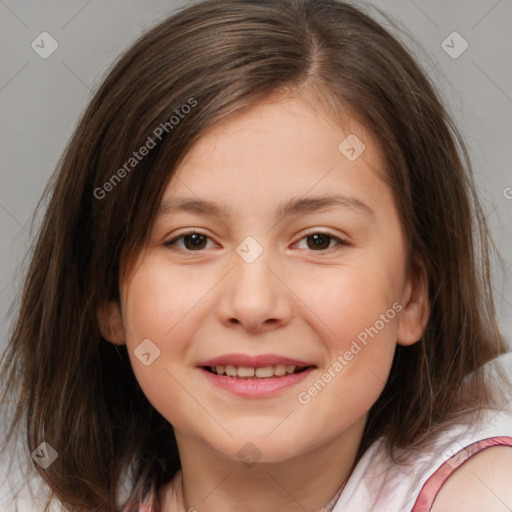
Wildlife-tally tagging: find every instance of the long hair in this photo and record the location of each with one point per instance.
(76, 391)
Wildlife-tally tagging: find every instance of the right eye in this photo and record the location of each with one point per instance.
(193, 241)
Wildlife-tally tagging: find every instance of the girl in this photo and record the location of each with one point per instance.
(262, 281)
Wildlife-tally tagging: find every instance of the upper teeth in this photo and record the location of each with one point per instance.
(247, 372)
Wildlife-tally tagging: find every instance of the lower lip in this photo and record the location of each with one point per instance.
(256, 387)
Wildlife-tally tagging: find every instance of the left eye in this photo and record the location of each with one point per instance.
(321, 240)
(194, 241)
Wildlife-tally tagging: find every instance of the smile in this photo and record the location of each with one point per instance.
(262, 372)
(255, 382)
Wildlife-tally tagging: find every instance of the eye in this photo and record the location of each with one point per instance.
(321, 240)
(193, 241)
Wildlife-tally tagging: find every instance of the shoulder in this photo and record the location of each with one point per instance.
(481, 483)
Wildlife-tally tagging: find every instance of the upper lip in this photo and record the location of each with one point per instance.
(253, 361)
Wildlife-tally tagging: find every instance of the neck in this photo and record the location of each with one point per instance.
(210, 481)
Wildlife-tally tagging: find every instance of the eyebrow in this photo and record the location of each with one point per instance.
(294, 206)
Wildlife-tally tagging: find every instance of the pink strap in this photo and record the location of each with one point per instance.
(433, 485)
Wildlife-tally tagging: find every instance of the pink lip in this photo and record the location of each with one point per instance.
(256, 388)
(253, 361)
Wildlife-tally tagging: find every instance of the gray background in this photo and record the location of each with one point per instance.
(41, 99)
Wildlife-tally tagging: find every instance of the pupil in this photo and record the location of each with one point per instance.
(317, 237)
(196, 240)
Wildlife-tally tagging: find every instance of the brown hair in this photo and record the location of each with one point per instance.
(78, 392)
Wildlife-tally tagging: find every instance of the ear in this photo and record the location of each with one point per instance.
(415, 315)
(110, 322)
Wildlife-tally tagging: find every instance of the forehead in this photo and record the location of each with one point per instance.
(275, 150)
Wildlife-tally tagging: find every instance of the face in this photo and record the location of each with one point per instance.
(276, 280)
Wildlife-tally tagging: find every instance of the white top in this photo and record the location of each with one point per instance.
(379, 485)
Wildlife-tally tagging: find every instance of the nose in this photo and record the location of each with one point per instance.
(255, 296)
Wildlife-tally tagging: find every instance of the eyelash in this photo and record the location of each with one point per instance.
(172, 243)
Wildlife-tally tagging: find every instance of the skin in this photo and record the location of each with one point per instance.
(481, 483)
(294, 300)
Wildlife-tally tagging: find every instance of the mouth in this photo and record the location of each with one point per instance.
(255, 377)
(256, 373)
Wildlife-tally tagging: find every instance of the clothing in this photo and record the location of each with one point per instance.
(377, 484)
(433, 485)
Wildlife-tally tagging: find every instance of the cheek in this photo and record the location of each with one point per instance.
(361, 314)
(157, 302)
(360, 343)
(160, 306)
(351, 299)
(359, 311)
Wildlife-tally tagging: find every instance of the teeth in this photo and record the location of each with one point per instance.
(231, 371)
(263, 372)
(245, 371)
(279, 370)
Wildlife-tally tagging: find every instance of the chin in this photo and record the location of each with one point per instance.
(262, 449)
